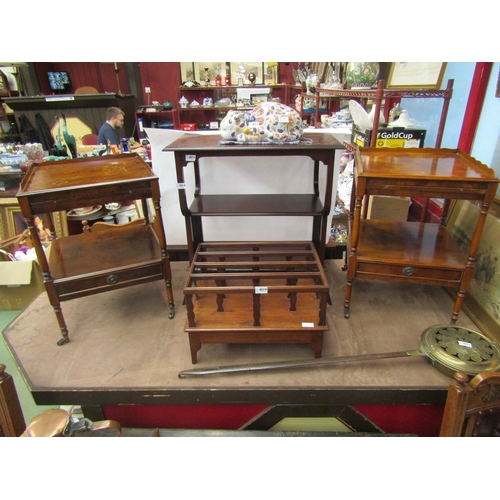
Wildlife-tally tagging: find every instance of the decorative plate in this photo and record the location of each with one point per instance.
(79, 212)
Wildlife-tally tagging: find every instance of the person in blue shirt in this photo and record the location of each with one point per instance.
(115, 118)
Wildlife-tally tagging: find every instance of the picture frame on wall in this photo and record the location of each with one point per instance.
(482, 301)
(187, 71)
(241, 70)
(214, 69)
(428, 75)
(14, 223)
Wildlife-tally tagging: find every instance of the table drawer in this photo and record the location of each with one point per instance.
(419, 272)
(108, 279)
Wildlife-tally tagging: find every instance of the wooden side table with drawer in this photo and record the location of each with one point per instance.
(86, 264)
(415, 252)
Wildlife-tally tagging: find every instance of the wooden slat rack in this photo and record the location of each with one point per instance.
(256, 293)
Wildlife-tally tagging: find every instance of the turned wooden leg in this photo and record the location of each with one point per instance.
(347, 301)
(167, 273)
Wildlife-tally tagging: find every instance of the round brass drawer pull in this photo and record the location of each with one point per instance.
(112, 279)
(408, 271)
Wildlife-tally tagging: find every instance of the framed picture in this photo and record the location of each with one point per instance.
(13, 222)
(213, 69)
(482, 301)
(241, 70)
(187, 71)
(428, 75)
(258, 98)
(271, 73)
(4, 85)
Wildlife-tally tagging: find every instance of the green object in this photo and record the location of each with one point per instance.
(69, 139)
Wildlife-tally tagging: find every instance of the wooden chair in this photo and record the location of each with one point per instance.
(98, 227)
(472, 408)
(86, 90)
(10, 245)
(12, 423)
(89, 140)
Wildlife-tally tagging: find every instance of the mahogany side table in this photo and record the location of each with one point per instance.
(415, 252)
(86, 264)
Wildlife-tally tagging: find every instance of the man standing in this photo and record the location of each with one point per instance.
(114, 120)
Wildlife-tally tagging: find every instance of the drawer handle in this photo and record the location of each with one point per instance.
(408, 271)
(112, 279)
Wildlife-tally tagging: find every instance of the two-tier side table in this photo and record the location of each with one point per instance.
(90, 263)
(415, 252)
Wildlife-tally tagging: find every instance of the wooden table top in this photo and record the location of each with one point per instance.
(438, 164)
(84, 172)
(193, 142)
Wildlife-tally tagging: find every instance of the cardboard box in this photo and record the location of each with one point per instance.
(389, 138)
(388, 208)
(20, 283)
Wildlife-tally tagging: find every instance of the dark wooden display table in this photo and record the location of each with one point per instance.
(86, 264)
(415, 252)
(319, 147)
(256, 293)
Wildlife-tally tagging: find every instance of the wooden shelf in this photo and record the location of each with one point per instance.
(427, 248)
(119, 248)
(257, 204)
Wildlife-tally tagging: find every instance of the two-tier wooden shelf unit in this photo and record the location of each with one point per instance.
(234, 271)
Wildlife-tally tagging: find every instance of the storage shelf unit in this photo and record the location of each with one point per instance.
(202, 116)
(188, 150)
(236, 269)
(379, 94)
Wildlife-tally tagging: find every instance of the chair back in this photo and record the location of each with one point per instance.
(86, 90)
(472, 408)
(89, 140)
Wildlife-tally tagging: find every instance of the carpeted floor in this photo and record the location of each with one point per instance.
(124, 340)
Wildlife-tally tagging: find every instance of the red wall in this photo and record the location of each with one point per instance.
(165, 77)
(162, 77)
(102, 76)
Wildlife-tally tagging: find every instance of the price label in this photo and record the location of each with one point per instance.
(260, 289)
(62, 98)
(284, 119)
(464, 344)
(190, 157)
(181, 185)
(307, 325)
